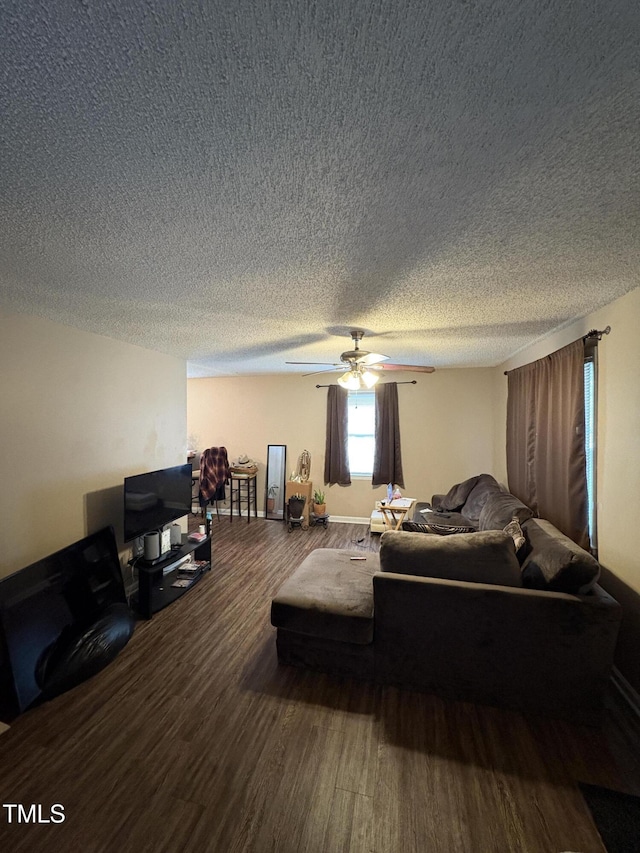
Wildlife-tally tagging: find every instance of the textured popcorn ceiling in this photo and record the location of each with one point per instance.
(241, 183)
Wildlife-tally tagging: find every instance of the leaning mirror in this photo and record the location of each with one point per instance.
(275, 481)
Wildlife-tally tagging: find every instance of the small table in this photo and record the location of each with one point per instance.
(394, 513)
(237, 483)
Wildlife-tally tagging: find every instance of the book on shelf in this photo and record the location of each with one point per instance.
(197, 537)
(191, 570)
(183, 583)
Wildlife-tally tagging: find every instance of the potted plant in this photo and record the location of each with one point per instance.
(319, 504)
(271, 497)
(296, 505)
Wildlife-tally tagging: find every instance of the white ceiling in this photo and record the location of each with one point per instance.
(240, 183)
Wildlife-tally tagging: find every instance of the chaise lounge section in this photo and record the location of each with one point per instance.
(324, 613)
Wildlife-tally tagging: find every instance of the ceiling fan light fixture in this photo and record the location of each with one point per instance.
(349, 380)
(356, 379)
(369, 378)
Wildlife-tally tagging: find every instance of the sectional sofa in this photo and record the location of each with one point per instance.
(467, 616)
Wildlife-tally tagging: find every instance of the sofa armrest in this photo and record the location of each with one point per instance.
(521, 648)
(436, 500)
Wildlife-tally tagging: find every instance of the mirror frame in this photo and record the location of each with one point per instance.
(277, 478)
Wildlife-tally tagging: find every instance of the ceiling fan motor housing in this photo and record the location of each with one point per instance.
(352, 355)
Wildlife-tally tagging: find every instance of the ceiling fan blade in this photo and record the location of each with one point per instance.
(331, 363)
(330, 370)
(416, 368)
(372, 358)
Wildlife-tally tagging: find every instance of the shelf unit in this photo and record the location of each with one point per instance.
(154, 586)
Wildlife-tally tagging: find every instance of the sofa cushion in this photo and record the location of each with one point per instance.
(456, 496)
(499, 509)
(554, 562)
(329, 595)
(486, 557)
(486, 485)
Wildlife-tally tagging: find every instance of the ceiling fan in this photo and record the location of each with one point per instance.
(362, 368)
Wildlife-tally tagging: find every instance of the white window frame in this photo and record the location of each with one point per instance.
(358, 435)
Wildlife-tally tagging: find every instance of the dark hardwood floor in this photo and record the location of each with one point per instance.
(194, 739)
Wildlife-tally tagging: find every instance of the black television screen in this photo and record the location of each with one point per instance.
(154, 499)
(46, 601)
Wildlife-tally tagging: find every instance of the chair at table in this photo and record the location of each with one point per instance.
(214, 475)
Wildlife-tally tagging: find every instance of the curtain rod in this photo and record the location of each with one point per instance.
(592, 334)
(411, 382)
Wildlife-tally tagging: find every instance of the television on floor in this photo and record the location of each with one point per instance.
(61, 619)
(155, 499)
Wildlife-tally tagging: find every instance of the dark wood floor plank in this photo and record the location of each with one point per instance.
(196, 740)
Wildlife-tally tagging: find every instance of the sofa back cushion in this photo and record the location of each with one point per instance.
(486, 557)
(456, 496)
(483, 489)
(554, 562)
(499, 509)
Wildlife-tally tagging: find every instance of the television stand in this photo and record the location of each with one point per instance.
(155, 591)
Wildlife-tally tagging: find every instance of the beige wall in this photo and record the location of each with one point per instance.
(79, 413)
(447, 424)
(618, 459)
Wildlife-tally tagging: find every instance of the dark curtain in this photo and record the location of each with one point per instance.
(546, 463)
(387, 462)
(336, 456)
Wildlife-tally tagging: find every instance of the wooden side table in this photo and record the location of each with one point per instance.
(395, 513)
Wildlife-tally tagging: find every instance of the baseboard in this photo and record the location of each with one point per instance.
(226, 512)
(348, 519)
(336, 519)
(626, 691)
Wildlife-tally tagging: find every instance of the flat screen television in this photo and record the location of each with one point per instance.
(47, 602)
(154, 499)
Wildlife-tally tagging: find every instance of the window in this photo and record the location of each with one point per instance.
(362, 416)
(590, 439)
